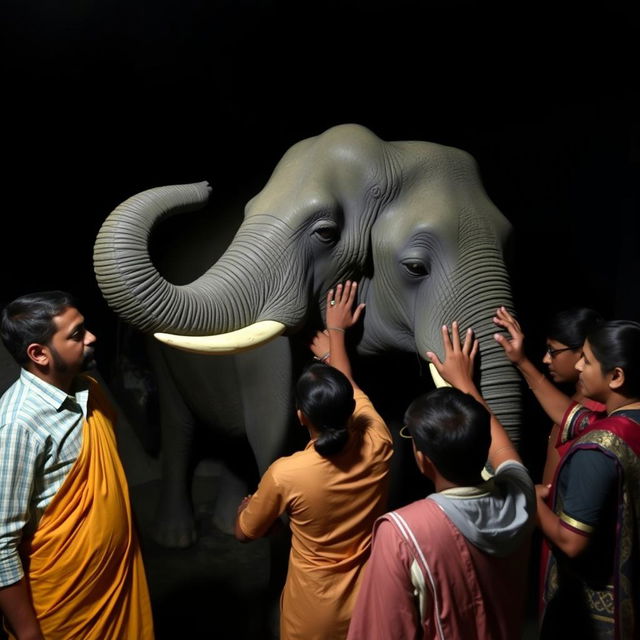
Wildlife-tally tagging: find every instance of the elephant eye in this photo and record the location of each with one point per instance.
(415, 268)
(326, 235)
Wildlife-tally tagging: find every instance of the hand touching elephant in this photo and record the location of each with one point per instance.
(410, 221)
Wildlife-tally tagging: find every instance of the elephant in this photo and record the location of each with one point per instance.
(410, 221)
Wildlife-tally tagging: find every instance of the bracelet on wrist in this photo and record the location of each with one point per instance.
(335, 329)
(323, 358)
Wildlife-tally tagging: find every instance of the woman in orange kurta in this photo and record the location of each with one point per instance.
(332, 491)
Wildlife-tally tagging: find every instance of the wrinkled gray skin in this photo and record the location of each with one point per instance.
(409, 220)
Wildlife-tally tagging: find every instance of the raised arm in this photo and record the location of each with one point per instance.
(340, 316)
(551, 399)
(457, 370)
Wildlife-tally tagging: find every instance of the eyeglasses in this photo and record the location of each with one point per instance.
(553, 352)
(404, 433)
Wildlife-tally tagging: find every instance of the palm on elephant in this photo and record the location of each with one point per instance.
(409, 220)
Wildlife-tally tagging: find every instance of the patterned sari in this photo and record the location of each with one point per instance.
(613, 609)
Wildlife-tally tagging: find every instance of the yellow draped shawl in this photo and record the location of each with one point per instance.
(83, 564)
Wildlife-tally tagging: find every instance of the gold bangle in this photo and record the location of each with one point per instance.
(506, 446)
(335, 329)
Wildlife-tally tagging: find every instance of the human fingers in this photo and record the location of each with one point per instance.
(543, 490)
(358, 311)
(509, 325)
(446, 340)
(350, 291)
(503, 342)
(506, 318)
(319, 337)
(474, 350)
(468, 341)
(433, 358)
(330, 298)
(345, 294)
(455, 336)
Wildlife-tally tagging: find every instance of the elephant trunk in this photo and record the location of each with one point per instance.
(224, 299)
(471, 297)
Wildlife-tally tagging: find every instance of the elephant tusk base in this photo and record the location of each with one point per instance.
(438, 380)
(243, 339)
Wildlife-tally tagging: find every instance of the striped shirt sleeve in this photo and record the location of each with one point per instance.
(20, 454)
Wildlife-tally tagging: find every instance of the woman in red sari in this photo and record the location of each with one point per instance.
(591, 586)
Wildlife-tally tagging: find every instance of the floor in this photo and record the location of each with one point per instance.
(219, 588)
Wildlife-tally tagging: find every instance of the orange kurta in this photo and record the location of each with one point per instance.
(332, 505)
(83, 564)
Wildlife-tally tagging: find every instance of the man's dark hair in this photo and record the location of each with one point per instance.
(453, 430)
(325, 396)
(29, 319)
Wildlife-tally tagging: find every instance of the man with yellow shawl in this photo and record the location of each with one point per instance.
(70, 562)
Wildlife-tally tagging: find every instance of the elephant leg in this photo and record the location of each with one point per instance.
(174, 521)
(266, 375)
(237, 476)
(267, 399)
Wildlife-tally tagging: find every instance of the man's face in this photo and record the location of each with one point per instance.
(71, 345)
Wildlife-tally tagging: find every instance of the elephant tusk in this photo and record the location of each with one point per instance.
(243, 339)
(438, 380)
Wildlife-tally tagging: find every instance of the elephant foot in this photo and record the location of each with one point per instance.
(231, 490)
(174, 525)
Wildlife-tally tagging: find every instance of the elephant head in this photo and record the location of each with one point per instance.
(410, 220)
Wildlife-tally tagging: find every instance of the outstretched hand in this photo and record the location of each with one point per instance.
(340, 313)
(320, 345)
(457, 368)
(513, 347)
(543, 491)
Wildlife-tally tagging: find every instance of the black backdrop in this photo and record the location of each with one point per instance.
(102, 100)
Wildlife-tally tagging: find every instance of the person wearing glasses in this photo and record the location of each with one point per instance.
(566, 333)
(332, 491)
(454, 564)
(590, 514)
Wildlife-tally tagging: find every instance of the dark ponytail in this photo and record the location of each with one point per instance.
(325, 396)
(617, 344)
(331, 441)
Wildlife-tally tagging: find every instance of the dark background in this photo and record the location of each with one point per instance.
(102, 100)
